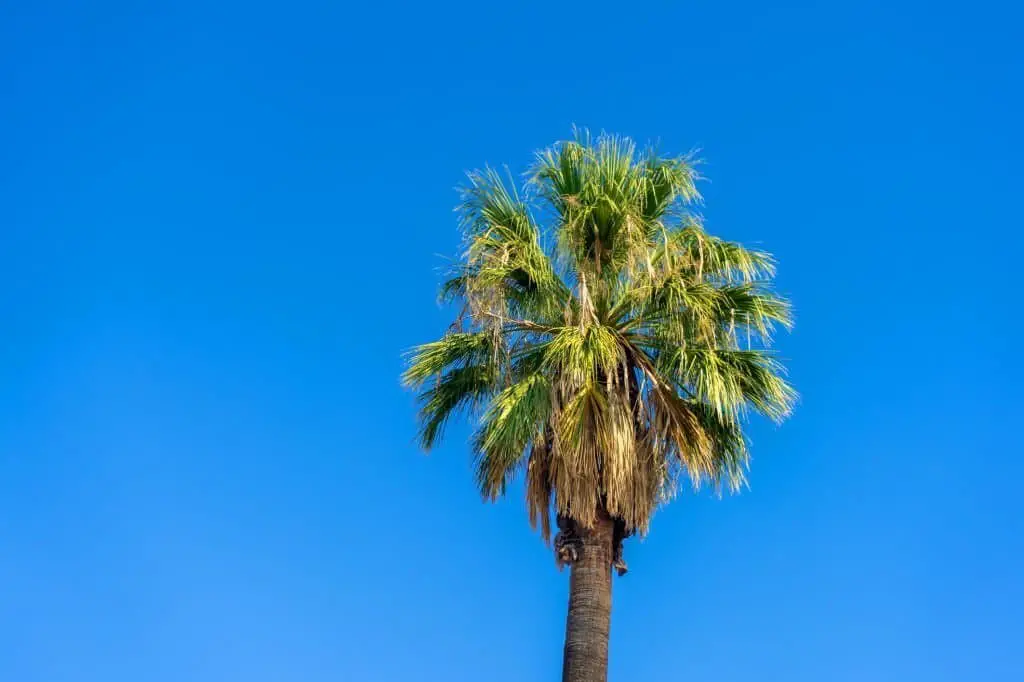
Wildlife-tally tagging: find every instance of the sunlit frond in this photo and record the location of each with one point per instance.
(515, 419)
(506, 271)
(432, 359)
(693, 251)
(730, 381)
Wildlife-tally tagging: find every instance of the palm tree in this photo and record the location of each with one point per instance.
(606, 346)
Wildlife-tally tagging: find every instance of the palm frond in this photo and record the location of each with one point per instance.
(461, 387)
(730, 381)
(515, 419)
(430, 360)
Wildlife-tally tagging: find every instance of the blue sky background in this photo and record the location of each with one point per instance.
(220, 225)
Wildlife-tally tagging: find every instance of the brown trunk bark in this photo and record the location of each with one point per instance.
(588, 624)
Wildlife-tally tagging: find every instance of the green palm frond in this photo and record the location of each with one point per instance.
(730, 380)
(462, 387)
(607, 342)
(433, 359)
(515, 419)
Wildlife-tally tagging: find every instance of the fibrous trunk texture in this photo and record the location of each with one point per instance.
(590, 605)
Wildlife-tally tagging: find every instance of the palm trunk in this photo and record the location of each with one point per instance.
(590, 606)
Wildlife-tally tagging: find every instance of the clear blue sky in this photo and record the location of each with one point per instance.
(221, 224)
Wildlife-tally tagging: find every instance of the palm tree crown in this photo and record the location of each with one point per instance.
(606, 343)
